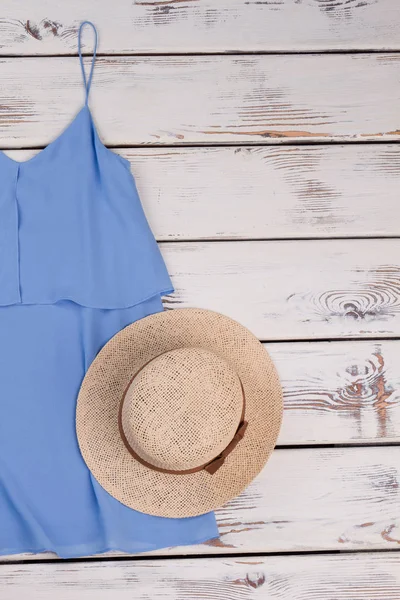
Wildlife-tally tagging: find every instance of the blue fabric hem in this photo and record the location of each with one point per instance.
(92, 550)
(109, 306)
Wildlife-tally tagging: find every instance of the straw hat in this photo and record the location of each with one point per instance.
(179, 412)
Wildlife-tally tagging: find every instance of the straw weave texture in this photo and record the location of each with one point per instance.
(236, 355)
(202, 396)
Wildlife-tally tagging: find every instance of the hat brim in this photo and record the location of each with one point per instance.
(103, 450)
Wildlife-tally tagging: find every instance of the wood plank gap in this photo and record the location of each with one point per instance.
(330, 340)
(278, 239)
(286, 52)
(163, 557)
(372, 444)
(237, 144)
(269, 142)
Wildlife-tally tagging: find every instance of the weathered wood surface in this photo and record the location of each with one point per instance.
(316, 499)
(294, 191)
(342, 392)
(205, 100)
(339, 392)
(146, 26)
(292, 289)
(312, 499)
(274, 192)
(374, 576)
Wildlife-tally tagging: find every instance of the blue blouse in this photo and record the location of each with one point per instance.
(78, 262)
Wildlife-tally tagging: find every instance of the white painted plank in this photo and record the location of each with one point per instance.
(201, 25)
(312, 499)
(317, 500)
(373, 576)
(267, 192)
(205, 100)
(339, 392)
(292, 290)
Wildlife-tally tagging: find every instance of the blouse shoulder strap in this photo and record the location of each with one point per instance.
(87, 82)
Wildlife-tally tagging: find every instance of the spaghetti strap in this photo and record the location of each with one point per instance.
(87, 82)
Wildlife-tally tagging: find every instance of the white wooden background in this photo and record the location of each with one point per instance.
(262, 135)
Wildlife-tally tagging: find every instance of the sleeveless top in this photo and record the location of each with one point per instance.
(78, 262)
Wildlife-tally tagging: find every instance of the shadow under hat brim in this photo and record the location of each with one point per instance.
(103, 450)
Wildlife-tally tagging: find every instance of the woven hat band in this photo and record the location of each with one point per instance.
(210, 466)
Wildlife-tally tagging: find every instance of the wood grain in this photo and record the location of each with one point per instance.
(373, 577)
(312, 499)
(205, 100)
(321, 499)
(146, 26)
(292, 290)
(273, 192)
(295, 191)
(339, 392)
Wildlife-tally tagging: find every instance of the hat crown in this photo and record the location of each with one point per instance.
(182, 409)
